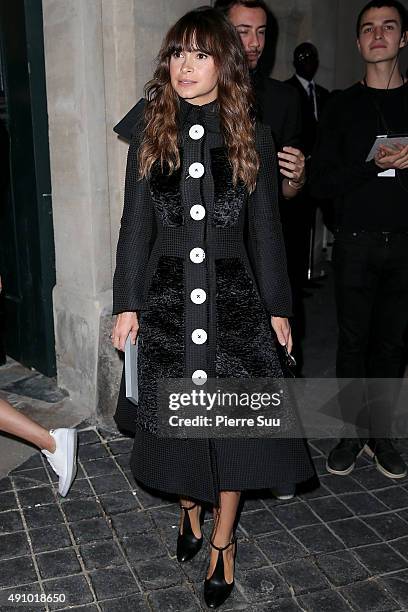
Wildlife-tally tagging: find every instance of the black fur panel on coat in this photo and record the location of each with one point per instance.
(165, 191)
(228, 200)
(245, 342)
(161, 337)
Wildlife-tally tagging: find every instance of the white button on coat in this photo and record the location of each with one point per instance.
(199, 377)
(199, 336)
(198, 296)
(196, 132)
(196, 170)
(197, 212)
(197, 255)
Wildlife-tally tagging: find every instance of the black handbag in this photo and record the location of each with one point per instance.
(287, 361)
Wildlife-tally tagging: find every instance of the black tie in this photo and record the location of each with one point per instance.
(312, 98)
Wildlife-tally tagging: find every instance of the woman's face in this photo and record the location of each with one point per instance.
(194, 76)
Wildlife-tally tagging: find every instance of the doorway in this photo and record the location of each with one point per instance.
(26, 228)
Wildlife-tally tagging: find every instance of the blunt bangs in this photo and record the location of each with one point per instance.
(192, 35)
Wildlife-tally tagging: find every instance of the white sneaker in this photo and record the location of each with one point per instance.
(64, 460)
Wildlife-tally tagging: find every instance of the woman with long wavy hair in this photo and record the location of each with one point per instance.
(201, 279)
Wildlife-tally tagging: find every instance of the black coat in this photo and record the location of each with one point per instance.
(156, 267)
(243, 281)
(308, 119)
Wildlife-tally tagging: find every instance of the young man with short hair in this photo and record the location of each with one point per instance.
(370, 256)
(279, 105)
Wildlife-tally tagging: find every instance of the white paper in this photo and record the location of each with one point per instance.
(131, 378)
(386, 141)
(387, 173)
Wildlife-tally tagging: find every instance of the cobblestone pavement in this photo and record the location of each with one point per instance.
(110, 545)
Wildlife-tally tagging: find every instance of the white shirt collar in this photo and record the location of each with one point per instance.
(306, 83)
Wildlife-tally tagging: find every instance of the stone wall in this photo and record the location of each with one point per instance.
(80, 186)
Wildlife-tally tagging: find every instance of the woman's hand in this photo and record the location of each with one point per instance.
(126, 323)
(283, 332)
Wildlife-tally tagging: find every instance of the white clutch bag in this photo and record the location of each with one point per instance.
(131, 350)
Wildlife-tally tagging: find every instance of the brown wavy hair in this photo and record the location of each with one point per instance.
(207, 30)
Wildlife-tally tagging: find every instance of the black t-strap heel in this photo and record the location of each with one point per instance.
(216, 588)
(188, 544)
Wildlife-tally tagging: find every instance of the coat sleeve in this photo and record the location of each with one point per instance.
(265, 232)
(136, 235)
(292, 134)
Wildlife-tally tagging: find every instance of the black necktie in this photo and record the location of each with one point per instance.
(312, 98)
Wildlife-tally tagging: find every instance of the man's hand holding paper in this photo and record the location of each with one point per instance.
(395, 157)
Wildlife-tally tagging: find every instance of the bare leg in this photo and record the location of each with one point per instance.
(223, 532)
(13, 422)
(194, 515)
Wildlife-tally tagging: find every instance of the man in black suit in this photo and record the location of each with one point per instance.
(313, 97)
(279, 107)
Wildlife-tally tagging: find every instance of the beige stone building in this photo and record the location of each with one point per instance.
(98, 55)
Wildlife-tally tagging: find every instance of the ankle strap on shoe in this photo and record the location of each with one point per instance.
(188, 507)
(221, 548)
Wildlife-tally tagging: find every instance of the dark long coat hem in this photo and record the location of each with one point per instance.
(201, 468)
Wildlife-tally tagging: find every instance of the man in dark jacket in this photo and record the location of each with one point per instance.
(313, 97)
(279, 108)
(370, 254)
(278, 104)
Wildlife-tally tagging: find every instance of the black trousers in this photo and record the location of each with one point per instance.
(297, 217)
(371, 285)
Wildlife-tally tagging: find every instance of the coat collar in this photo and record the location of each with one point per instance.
(206, 115)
